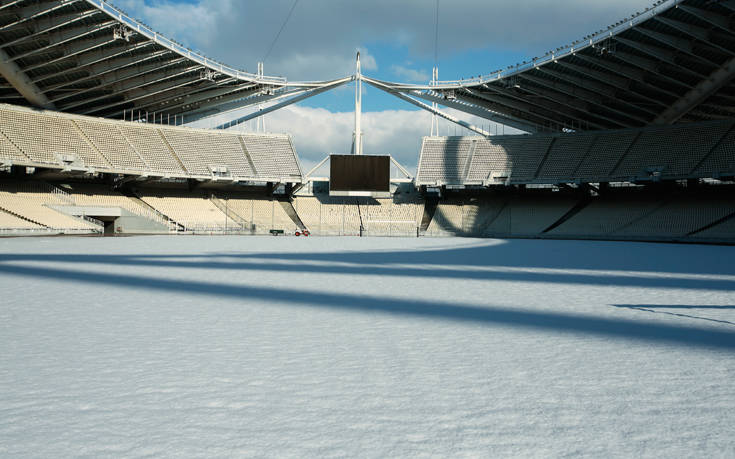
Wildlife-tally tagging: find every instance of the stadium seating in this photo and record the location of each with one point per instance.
(604, 154)
(678, 218)
(149, 143)
(528, 216)
(724, 231)
(694, 150)
(10, 222)
(33, 202)
(45, 138)
(110, 142)
(444, 159)
(272, 155)
(670, 150)
(721, 162)
(447, 219)
(34, 137)
(565, 155)
(195, 212)
(602, 216)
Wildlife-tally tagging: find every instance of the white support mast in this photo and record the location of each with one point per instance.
(434, 105)
(357, 135)
(260, 126)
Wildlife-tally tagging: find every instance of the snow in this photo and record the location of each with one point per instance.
(373, 347)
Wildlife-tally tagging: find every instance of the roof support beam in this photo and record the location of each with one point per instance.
(11, 3)
(64, 37)
(474, 109)
(551, 111)
(210, 102)
(72, 50)
(158, 88)
(20, 81)
(285, 103)
(47, 24)
(700, 33)
(120, 76)
(99, 56)
(579, 96)
(653, 68)
(698, 94)
(708, 16)
(109, 65)
(160, 101)
(658, 53)
(593, 86)
(120, 88)
(680, 44)
(615, 80)
(32, 12)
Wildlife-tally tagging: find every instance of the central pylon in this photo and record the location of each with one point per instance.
(434, 105)
(357, 134)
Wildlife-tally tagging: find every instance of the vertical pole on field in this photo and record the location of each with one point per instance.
(357, 139)
(260, 127)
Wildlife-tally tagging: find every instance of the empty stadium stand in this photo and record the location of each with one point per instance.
(684, 151)
(64, 142)
(39, 204)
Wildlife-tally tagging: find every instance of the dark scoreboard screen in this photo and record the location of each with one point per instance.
(355, 173)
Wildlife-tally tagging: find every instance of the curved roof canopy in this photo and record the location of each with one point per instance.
(86, 57)
(672, 62)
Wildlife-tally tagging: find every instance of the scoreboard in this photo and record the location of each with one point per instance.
(359, 175)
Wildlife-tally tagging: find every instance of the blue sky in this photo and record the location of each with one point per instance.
(396, 39)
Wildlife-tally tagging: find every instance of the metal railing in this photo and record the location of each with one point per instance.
(115, 13)
(577, 46)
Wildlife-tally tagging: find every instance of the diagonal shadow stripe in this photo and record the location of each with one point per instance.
(663, 334)
(620, 280)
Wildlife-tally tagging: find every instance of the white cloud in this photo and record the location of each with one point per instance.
(321, 37)
(409, 74)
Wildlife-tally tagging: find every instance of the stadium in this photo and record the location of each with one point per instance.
(567, 290)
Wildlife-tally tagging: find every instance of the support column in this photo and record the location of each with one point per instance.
(357, 135)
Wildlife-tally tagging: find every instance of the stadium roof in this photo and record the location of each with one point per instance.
(672, 62)
(87, 57)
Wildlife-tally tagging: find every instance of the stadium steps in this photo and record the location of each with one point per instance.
(430, 205)
(20, 150)
(247, 156)
(713, 224)
(544, 159)
(91, 144)
(22, 217)
(172, 151)
(652, 211)
(572, 212)
(173, 224)
(625, 154)
(712, 150)
(229, 212)
(293, 215)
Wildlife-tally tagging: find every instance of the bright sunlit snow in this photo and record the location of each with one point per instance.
(276, 346)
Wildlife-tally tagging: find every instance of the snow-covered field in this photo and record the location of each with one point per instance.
(303, 347)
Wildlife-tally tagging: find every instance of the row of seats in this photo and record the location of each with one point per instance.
(345, 216)
(500, 217)
(638, 216)
(674, 152)
(35, 202)
(31, 137)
